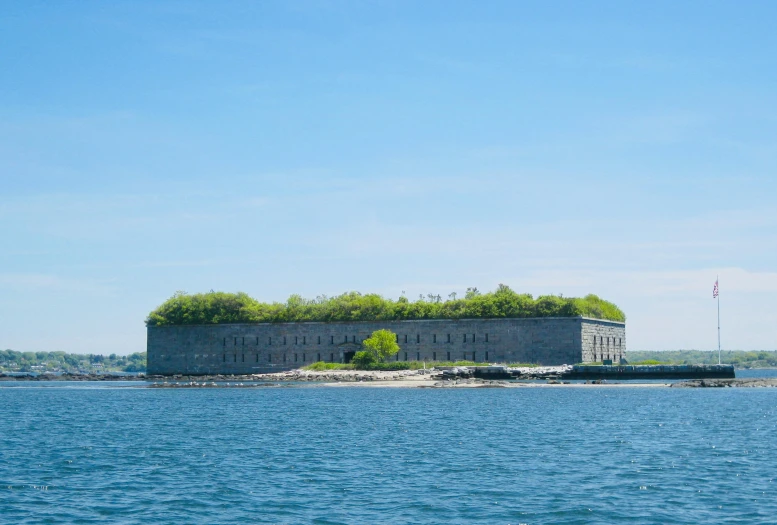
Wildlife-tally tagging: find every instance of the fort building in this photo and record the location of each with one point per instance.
(251, 348)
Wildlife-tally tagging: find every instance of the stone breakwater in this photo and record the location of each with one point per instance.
(728, 383)
(651, 372)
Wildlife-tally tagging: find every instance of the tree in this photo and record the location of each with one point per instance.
(221, 307)
(382, 344)
(472, 292)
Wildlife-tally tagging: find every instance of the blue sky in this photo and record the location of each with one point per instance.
(627, 149)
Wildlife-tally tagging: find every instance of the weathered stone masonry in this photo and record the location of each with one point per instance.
(258, 348)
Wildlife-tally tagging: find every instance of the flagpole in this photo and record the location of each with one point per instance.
(718, 284)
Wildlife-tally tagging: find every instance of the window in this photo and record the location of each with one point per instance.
(486, 356)
(243, 358)
(434, 338)
(257, 340)
(332, 340)
(257, 357)
(434, 356)
(397, 338)
(225, 341)
(303, 358)
(345, 340)
(449, 356)
(353, 339)
(418, 356)
(284, 357)
(397, 356)
(417, 338)
(405, 356)
(332, 358)
(234, 358)
(235, 341)
(295, 358)
(269, 358)
(465, 338)
(304, 339)
(269, 340)
(449, 338)
(319, 339)
(473, 338)
(296, 340)
(486, 340)
(405, 338)
(225, 358)
(244, 341)
(284, 339)
(465, 356)
(474, 356)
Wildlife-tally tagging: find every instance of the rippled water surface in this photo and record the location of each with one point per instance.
(76, 453)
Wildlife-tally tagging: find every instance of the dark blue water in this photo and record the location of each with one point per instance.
(77, 453)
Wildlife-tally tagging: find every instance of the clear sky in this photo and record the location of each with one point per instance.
(627, 149)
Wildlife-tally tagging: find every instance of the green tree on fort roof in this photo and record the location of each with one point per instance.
(222, 308)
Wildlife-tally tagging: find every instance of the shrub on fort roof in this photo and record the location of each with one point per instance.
(222, 307)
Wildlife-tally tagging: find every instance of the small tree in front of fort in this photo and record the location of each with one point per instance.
(381, 345)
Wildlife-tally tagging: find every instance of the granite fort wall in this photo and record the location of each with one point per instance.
(258, 348)
(603, 340)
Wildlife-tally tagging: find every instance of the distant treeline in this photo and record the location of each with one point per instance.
(222, 307)
(62, 361)
(738, 358)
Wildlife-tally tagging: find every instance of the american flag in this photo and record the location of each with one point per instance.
(715, 289)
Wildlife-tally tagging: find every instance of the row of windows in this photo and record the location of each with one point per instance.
(304, 340)
(602, 355)
(465, 355)
(234, 357)
(604, 352)
(601, 341)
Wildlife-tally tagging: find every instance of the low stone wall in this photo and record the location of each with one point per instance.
(265, 348)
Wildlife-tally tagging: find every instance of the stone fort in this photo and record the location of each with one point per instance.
(274, 347)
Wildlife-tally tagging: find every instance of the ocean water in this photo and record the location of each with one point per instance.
(123, 453)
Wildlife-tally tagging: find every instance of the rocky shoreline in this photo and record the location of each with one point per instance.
(443, 377)
(301, 375)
